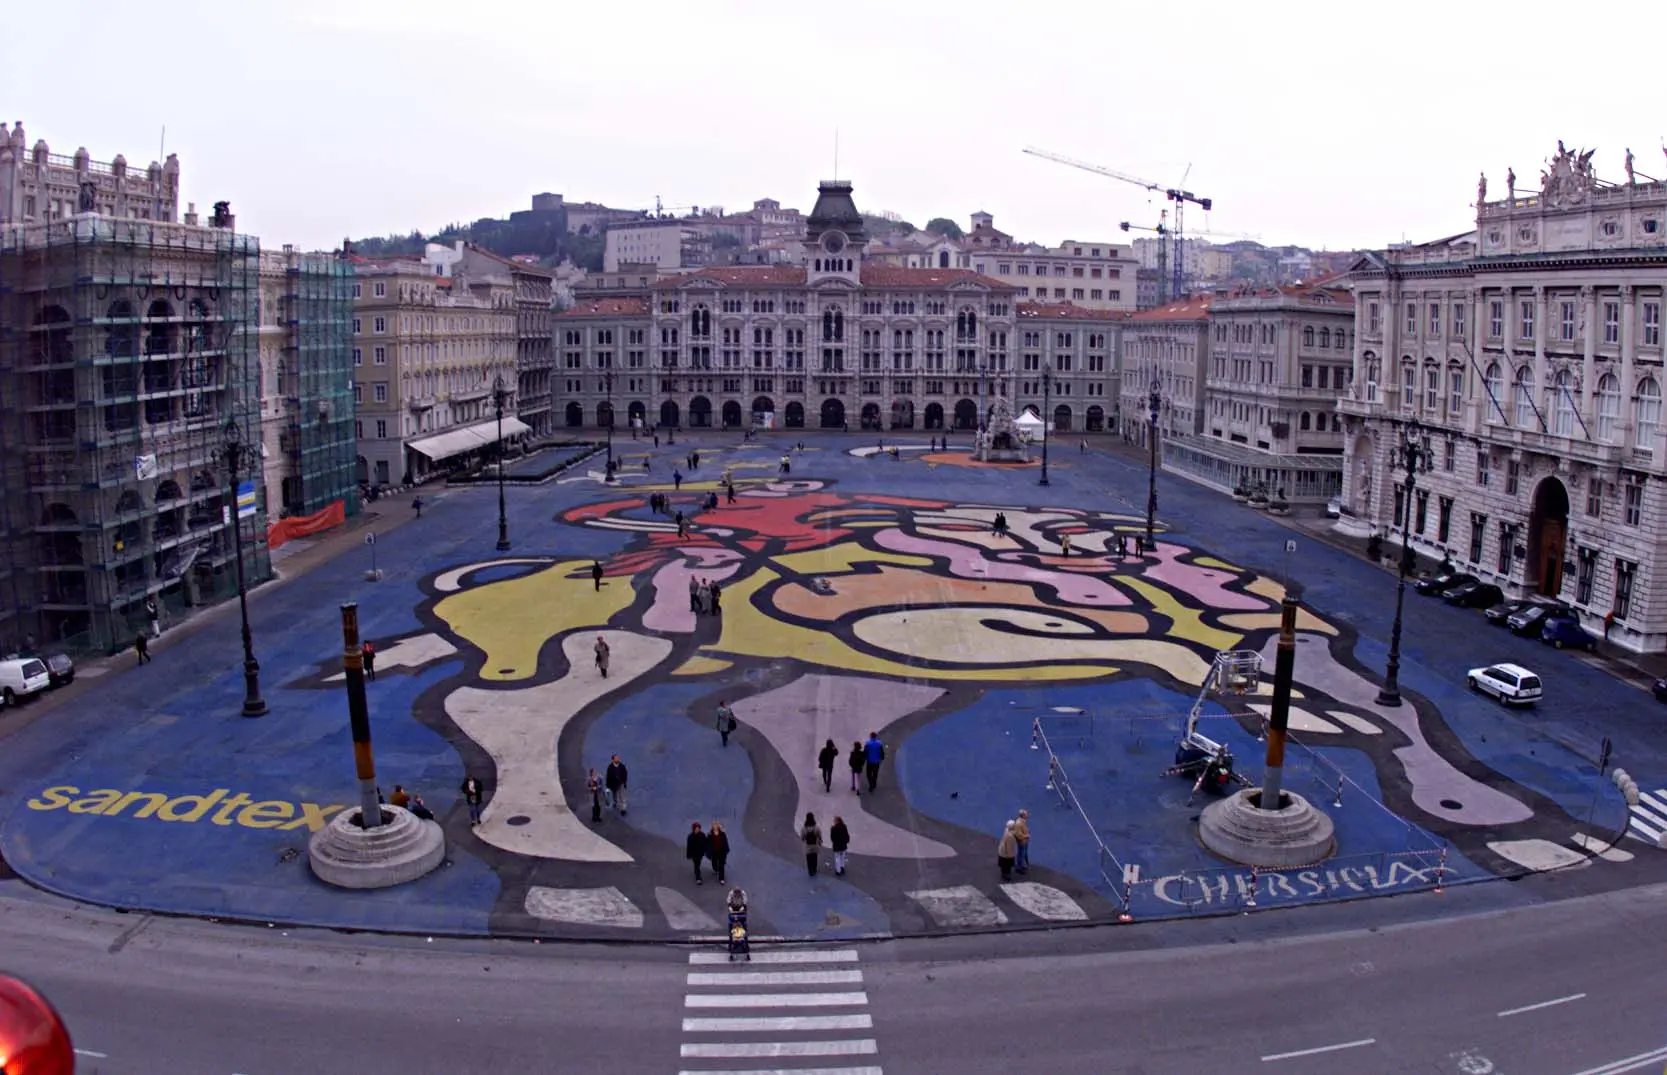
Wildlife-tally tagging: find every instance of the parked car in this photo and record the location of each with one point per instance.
(1504, 610)
(1433, 585)
(1474, 594)
(21, 677)
(1334, 508)
(1512, 684)
(1659, 689)
(1565, 632)
(60, 668)
(1530, 619)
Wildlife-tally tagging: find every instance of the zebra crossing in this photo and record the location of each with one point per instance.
(1649, 817)
(790, 1012)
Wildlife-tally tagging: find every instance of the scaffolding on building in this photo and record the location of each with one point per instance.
(126, 349)
(316, 382)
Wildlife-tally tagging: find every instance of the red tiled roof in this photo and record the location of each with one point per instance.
(889, 276)
(1067, 311)
(627, 307)
(519, 266)
(1196, 308)
(740, 276)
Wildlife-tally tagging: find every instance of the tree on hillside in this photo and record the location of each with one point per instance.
(944, 226)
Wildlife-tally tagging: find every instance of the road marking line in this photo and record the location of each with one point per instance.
(766, 1024)
(1321, 1049)
(720, 1050)
(1650, 815)
(1614, 1067)
(776, 977)
(89, 1052)
(845, 956)
(775, 1000)
(1652, 799)
(791, 1071)
(1542, 1004)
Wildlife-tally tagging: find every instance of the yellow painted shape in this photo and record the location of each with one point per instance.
(510, 621)
(1211, 561)
(702, 666)
(844, 556)
(1262, 586)
(1257, 621)
(1188, 623)
(748, 632)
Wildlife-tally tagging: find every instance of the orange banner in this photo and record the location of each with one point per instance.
(299, 526)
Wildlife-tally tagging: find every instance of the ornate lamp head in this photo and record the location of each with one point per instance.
(234, 433)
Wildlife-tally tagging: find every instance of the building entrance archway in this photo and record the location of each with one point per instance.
(732, 414)
(833, 414)
(1548, 530)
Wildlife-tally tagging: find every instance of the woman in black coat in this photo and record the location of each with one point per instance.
(717, 849)
(858, 761)
(696, 848)
(825, 762)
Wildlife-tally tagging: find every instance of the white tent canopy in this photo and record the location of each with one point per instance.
(1028, 422)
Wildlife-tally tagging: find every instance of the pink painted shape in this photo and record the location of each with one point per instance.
(969, 563)
(670, 611)
(1206, 584)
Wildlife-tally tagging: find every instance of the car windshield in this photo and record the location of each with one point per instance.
(33, 668)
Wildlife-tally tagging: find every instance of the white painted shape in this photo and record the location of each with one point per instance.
(1650, 817)
(1614, 1067)
(1644, 831)
(775, 977)
(413, 652)
(1599, 846)
(775, 1024)
(1538, 855)
(772, 1050)
(1045, 901)
(843, 955)
(684, 914)
(89, 1052)
(584, 906)
(856, 999)
(452, 581)
(789, 1071)
(960, 907)
(1656, 802)
(1354, 721)
(1300, 720)
(1320, 1049)
(520, 730)
(1542, 1004)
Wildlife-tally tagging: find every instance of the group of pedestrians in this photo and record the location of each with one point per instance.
(863, 760)
(712, 846)
(611, 788)
(705, 596)
(1013, 849)
(839, 840)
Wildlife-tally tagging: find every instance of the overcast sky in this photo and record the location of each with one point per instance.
(1310, 124)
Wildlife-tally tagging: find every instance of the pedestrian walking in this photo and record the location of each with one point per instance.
(593, 784)
(656, 438)
(874, 752)
(141, 647)
(682, 526)
(616, 781)
(474, 795)
(694, 461)
(695, 847)
(717, 598)
(717, 849)
(154, 616)
(729, 491)
(1007, 849)
(726, 722)
(367, 651)
(694, 594)
(677, 480)
(1021, 835)
(839, 838)
(602, 652)
(1065, 545)
(858, 760)
(825, 762)
(596, 574)
(704, 596)
(811, 834)
(1082, 446)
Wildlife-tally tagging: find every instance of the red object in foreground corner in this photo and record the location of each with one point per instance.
(33, 1039)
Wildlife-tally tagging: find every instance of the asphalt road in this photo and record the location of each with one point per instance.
(1558, 989)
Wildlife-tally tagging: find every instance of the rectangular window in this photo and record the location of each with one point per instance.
(379, 289)
(1587, 572)
(1432, 388)
(1482, 472)
(1455, 391)
(1478, 529)
(379, 392)
(1374, 318)
(1409, 387)
(358, 356)
(1513, 475)
(1308, 376)
(1458, 320)
(1496, 319)
(1652, 324)
(1506, 539)
(1634, 504)
(1449, 457)
(1566, 331)
(1422, 512)
(1435, 319)
(1611, 322)
(1525, 310)
(1444, 519)
(381, 429)
(358, 326)
(1594, 499)
(379, 356)
(379, 325)
(1412, 319)
(358, 394)
(1625, 571)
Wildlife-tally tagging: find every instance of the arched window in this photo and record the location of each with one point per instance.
(1303, 421)
(1524, 398)
(1649, 413)
(827, 324)
(700, 322)
(1370, 362)
(1308, 336)
(1609, 407)
(1494, 381)
(1325, 337)
(839, 324)
(1562, 404)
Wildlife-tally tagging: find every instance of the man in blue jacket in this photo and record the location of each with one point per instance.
(875, 753)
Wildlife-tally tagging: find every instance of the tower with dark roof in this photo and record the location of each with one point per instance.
(834, 235)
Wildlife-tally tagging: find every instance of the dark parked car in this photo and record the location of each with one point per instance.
(60, 668)
(1659, 689)
(1531, 618)
(1474, 594)
(1504, 610)
(1565, 632)
(1433, 585)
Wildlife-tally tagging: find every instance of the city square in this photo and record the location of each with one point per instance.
(864, 591)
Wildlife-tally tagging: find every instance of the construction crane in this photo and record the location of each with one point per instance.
(1162, 232)
(1175, 194)
(660, 209)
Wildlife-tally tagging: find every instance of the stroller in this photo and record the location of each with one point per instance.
(739, 946)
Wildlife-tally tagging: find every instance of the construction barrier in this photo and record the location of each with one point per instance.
(299, 526)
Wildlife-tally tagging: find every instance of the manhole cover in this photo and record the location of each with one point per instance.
(1451, 804)
(518, 820)
(506, 671)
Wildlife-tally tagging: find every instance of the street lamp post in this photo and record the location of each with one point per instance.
(608, 387)
(232, 453)
(1154, 400)
(1047, 400)
(1415, 457)
(500, 396)
(983, 397)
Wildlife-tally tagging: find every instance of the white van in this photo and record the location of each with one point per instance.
(22, 676)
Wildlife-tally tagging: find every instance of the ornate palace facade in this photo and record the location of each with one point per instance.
(832, 343)
(1530, 351)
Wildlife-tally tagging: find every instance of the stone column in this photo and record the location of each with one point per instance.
(1477, 408)
(1629, 390)
(1542, 375)
(1589, 362)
